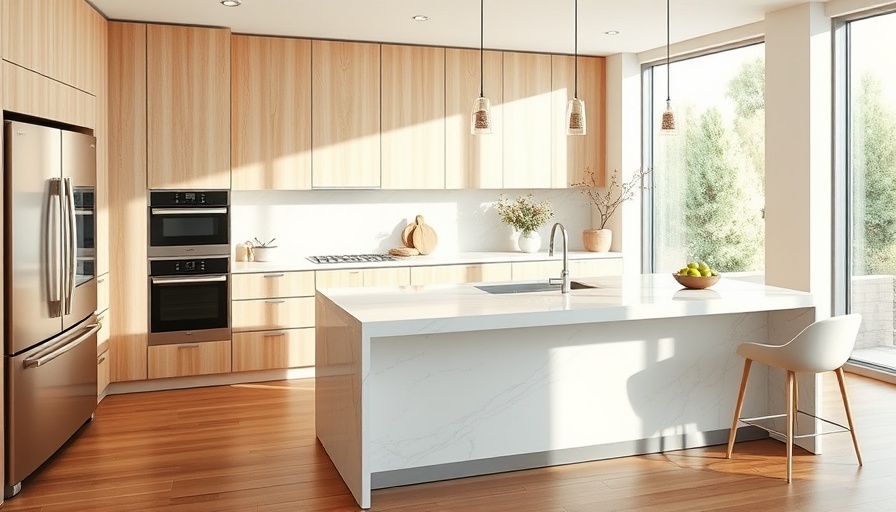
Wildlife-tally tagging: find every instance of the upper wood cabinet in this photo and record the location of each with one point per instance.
(270, 113)
(345, 132)
(54, 38)
(473, 161)
(527, 120)
(413, 117)
(188, 107)
(571, 154)
(101, 132)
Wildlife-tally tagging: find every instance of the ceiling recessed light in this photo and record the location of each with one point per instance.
(611, 32)
(231, 3)
(420, 17)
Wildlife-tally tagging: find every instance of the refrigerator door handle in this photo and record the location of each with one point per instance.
(71, 240)
(62, 347)
(53, 238)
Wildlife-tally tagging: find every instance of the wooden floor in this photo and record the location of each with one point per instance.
(252, 448)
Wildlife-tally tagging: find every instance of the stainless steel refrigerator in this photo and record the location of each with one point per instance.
(50, 292)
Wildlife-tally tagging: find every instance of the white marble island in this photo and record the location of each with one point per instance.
(429, 383)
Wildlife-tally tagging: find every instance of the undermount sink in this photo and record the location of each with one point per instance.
(530, 287)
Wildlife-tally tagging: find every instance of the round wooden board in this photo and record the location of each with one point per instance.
(424, 237)
(406, 237)
(404, 252)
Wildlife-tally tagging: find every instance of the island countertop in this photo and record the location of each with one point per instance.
(457, 308)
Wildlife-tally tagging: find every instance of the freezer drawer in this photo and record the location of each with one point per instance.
(51, 393)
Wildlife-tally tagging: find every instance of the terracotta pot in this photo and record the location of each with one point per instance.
(597, 240)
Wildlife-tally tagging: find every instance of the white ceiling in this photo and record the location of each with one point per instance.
(527, 25)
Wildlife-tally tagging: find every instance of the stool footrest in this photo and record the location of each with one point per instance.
(772, 425)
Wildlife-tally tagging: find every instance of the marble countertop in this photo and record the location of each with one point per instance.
(405, 310)
(297, 263)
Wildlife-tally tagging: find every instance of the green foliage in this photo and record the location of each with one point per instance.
(874, 181)
(723, 225)
(747, 89)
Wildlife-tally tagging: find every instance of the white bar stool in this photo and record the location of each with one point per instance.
(823, 346)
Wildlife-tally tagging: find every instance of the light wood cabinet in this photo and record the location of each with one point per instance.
(54, 38)
(346, 114)
(596, 268)
(266, 350)
(102, 375)
(188, 107)
(270, 113)
(272, 285)
(189, 359)
(127, 198)
(473, 161)
(28, 92)
(273, 313)
(527, 120)
(103, 362)
(456, 274)
(571, 154)
(390, 276)
(101, 132)
(413, 117)
(102, 292)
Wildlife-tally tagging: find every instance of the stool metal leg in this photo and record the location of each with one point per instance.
(852, 430)
(791, 384)
(738, 407)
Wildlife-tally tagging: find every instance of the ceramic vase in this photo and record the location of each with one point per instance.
(529, 241)
(597, 240)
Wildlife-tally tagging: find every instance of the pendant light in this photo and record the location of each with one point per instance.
(667, 126)
(481, 117)
(575, 109)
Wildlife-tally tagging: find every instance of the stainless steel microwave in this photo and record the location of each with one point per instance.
(185, 223)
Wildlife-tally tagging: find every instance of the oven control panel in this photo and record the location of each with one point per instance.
(186, 267)
(188, 198)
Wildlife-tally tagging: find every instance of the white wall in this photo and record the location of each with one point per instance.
(318, 222)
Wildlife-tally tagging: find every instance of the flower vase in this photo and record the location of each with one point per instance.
(597, 240)
(530, 241)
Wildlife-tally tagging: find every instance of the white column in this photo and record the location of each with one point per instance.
(798, 213)
(623, 110)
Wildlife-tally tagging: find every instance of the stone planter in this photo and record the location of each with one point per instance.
(597, 240)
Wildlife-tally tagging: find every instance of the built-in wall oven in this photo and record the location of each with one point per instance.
(189, 300)
(186, 223)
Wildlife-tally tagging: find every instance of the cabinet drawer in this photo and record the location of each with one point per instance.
(268, 314)
(453, 274)
(189, 359)
(273, 285)
(102, 293)
(267, 350)
(102, 337)
(103, 375)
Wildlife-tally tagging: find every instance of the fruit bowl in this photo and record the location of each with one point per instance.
(696, 283)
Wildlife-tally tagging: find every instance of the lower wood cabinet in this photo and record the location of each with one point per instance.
(275, 313)
(541, 270)
(266, 350)
(189, 359)
(394, 276)
(457, 274)
(103, 374)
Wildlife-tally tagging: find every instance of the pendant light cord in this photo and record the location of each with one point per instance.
(668, 73)
(575, 85)
(481, 36)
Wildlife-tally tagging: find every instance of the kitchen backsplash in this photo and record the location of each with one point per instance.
(318, 222)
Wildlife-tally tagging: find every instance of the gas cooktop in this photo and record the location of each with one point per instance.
(350, 258)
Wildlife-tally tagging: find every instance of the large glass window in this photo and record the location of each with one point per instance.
(707, 190)
(871, 180)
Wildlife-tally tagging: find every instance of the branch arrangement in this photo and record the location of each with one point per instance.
(607, 201)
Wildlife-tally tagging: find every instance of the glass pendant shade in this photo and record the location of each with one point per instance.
(481, 117)
(575, 117)
(667, 126)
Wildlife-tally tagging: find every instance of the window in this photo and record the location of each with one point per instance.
(707, 191)
(870, 74)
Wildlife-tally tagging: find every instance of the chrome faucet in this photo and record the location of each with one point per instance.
(563, 280)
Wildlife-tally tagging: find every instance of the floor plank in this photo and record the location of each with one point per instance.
(252, 448)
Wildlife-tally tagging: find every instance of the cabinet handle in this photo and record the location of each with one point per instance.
(189, 345)
(101, 280)
(274, 275)
(101, 360)
(280, 301)
(274, 334)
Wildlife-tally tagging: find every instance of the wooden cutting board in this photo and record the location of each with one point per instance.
(424, 237)
(406, 235)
